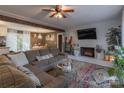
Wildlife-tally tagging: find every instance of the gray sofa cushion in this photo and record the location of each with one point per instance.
(45, 67)
(47, 80)
(58, 58)
(52, 60)
(54, 51)
(31, 55)
(44, 52)
(43, 64)
(47, 63)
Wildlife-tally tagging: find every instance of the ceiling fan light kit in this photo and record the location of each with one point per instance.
(58, 11)
(58, 15)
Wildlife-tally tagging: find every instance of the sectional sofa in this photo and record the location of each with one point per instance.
(45, 64)
(24, 76)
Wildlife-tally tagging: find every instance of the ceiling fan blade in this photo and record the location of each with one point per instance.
(48, 10)
(68, 10)
(63, 15)
(53, 14)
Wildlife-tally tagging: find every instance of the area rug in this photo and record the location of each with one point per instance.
(83, 77)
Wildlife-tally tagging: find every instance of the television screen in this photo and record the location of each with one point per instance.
(89, 33)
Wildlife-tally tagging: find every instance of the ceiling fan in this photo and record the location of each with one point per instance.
(58, 11)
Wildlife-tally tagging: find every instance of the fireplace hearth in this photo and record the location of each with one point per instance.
(87, 51)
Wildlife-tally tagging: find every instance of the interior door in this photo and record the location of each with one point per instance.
(60, 42)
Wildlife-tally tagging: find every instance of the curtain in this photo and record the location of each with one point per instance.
(11, 39)
(18, 40)
(26, 41)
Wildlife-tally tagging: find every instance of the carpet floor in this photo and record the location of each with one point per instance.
(84, 77)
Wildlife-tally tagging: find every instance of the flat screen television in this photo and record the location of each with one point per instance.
(89, 33)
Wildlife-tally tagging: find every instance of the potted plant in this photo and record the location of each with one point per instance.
(113, 37)
(119, 66)
(118, 69)
(114, 42)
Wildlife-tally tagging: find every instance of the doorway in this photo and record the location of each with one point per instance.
(59, 42)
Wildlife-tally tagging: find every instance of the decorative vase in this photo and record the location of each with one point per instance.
(100, 56)
(106, 58)
(76, 52)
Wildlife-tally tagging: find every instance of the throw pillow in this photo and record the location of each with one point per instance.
(100, 75)
(50, 55)
(54, 51)
(39, 58)
(19, 59)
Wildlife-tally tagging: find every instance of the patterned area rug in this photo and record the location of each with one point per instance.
(83, 77)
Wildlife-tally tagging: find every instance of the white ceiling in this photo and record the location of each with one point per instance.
(83, 14)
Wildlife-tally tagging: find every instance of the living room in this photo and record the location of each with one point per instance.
(44, 46)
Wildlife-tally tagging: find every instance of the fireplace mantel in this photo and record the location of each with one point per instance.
(91, 60)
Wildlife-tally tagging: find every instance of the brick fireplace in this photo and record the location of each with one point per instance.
(87, 51)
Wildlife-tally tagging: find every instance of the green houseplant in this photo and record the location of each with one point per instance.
(118, 69)
(113, 37)
(115, 46)
(119, 66)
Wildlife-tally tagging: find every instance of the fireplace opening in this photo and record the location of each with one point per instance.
(87, 51)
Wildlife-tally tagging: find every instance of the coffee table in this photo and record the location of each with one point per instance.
(68, 70)
(66, 67)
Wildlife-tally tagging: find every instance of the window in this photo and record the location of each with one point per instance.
(18, 40)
